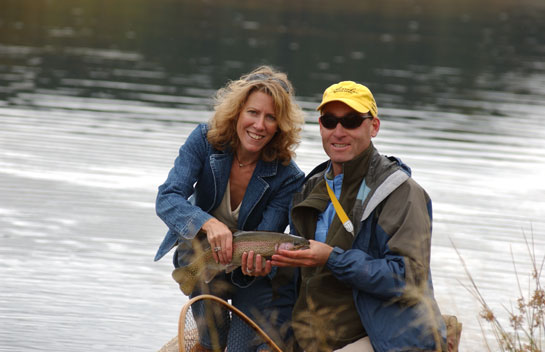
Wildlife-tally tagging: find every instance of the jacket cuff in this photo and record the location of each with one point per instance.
(333, 256)
(193, 226)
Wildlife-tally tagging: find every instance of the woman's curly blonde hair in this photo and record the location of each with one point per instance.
(230, 100)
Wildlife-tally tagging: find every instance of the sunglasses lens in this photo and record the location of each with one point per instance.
(329, 121)
(349, 121)
(352, 121)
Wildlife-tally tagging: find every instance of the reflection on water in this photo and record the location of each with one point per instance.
(94, 105)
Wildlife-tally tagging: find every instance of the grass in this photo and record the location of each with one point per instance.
(525, 331)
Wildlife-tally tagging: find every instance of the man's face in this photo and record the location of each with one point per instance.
(342, 144)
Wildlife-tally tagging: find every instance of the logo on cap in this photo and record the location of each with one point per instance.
(355, 95)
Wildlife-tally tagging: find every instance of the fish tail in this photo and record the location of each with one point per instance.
(186, 277)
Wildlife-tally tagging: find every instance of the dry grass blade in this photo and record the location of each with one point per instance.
(526, 319)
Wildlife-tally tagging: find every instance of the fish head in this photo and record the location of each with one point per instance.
(292, 243)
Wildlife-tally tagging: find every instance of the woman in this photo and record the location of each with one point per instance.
(237, 172)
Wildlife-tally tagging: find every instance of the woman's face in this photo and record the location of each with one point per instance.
(256, 123)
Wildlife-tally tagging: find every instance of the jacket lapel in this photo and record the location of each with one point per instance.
(221, 168)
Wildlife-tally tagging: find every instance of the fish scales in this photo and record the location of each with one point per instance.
(262, 247)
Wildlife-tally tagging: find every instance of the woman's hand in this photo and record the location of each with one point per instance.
(221, 240)
(261, 267)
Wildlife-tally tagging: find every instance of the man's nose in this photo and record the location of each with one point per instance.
(339, 130)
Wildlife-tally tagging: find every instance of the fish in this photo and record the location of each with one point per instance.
(204, 267)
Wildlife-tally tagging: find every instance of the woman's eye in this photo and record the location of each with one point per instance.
(271, 118)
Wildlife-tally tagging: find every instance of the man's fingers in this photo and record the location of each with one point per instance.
(280, 260)
(300, 254)
(284, 264)
(316, 255)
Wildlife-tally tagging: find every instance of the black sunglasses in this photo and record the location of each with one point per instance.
(349, 121)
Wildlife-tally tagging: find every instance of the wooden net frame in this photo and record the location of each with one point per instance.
(187, 339)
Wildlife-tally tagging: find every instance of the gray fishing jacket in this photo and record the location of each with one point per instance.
(377, 282)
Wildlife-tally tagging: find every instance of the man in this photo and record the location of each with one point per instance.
(366, 276)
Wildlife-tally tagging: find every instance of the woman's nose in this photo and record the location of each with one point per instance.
(260, 122)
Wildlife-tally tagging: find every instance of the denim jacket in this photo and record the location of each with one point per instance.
(196, 185)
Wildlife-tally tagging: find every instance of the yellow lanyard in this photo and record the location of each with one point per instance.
(340, 211)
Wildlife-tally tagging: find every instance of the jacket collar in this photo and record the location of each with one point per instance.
(356, 169)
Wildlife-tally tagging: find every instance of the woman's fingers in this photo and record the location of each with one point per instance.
(215, 255)
(228, 248)
(226, 252)
(262, 266)
(220, 239)
(250, 263)
(268, 267)
(247, 263)
(255, 267)
(243, 264)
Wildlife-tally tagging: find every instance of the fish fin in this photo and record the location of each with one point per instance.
(230, 268)
(237, 232)
(209, 274)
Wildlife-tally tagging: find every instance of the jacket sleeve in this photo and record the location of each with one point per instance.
(173, 203)
(379, 277)
(399, 260)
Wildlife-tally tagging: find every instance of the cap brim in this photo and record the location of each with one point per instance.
(358, 107)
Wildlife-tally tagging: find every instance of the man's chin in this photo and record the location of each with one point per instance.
(340, 158)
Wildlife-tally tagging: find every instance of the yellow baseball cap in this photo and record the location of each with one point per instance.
(355, 95)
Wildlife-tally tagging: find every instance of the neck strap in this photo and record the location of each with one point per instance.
(340, 211)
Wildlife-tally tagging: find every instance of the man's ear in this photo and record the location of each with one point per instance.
(376, 126)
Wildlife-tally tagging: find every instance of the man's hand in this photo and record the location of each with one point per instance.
(316, 255)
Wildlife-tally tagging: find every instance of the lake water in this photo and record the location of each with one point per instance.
(96, 98)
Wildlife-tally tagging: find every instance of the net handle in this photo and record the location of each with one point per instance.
(240, 314)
